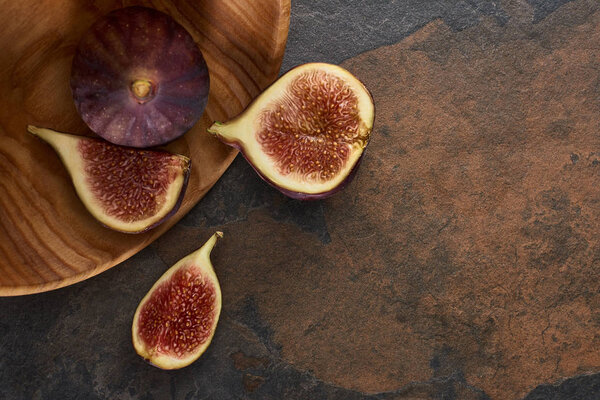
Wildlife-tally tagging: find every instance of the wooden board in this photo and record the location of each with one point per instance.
(47, 238)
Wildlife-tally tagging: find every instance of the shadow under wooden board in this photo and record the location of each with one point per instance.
(47, 238)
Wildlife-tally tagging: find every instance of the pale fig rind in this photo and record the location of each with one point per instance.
(155, 354)
(323, 195)
(68, 148)
(246, 132)
(305, 196)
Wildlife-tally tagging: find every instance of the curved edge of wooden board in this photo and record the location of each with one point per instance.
(280, 40)
(8, 291)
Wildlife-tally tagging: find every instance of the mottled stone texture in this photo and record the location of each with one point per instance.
(462, 263)
(471, 236)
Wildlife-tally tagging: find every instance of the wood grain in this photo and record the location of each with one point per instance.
(47, 238)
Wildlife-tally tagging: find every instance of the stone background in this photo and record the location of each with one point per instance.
(462, 262)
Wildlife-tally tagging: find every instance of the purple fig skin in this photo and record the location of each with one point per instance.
(131, 45)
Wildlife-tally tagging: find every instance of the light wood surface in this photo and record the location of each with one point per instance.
(47, 238)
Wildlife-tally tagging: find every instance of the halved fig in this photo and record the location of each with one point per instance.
(175, 322)
(138, 79)
(306, 133)
(126, 189)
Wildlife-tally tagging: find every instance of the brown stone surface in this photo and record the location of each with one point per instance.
(468, 245)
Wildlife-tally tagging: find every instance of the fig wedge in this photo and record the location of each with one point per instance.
(128, 190)
(306, 133)
(176, 320)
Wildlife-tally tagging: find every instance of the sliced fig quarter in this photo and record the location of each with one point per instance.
(176, 320)
(138, 78)
(126, 189)
(307, 132)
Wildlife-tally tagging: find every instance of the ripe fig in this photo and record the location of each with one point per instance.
(126, 189)
(138, 79)
(306, 133)
(175, 322)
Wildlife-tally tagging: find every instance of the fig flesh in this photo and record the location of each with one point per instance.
(138, 78)
(176, 320)
(306, 133)
(126, 189)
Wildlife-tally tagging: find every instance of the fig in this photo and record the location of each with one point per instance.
(126, 189)
(306, 133)
(138, 78)
(176, 320)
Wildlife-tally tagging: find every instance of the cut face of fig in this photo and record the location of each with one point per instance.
(126, 189)
(306, 133)
(138, 79)
(175, 322)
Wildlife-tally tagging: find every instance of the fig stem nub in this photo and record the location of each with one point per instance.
(226, 131)
(214, 129)
(49, 136)
(210, 244)
(34, 130)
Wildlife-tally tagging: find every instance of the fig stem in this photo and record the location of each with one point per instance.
(34, 130)
(43, 133)
(214, 128)
(212, 241)
(223, 131)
